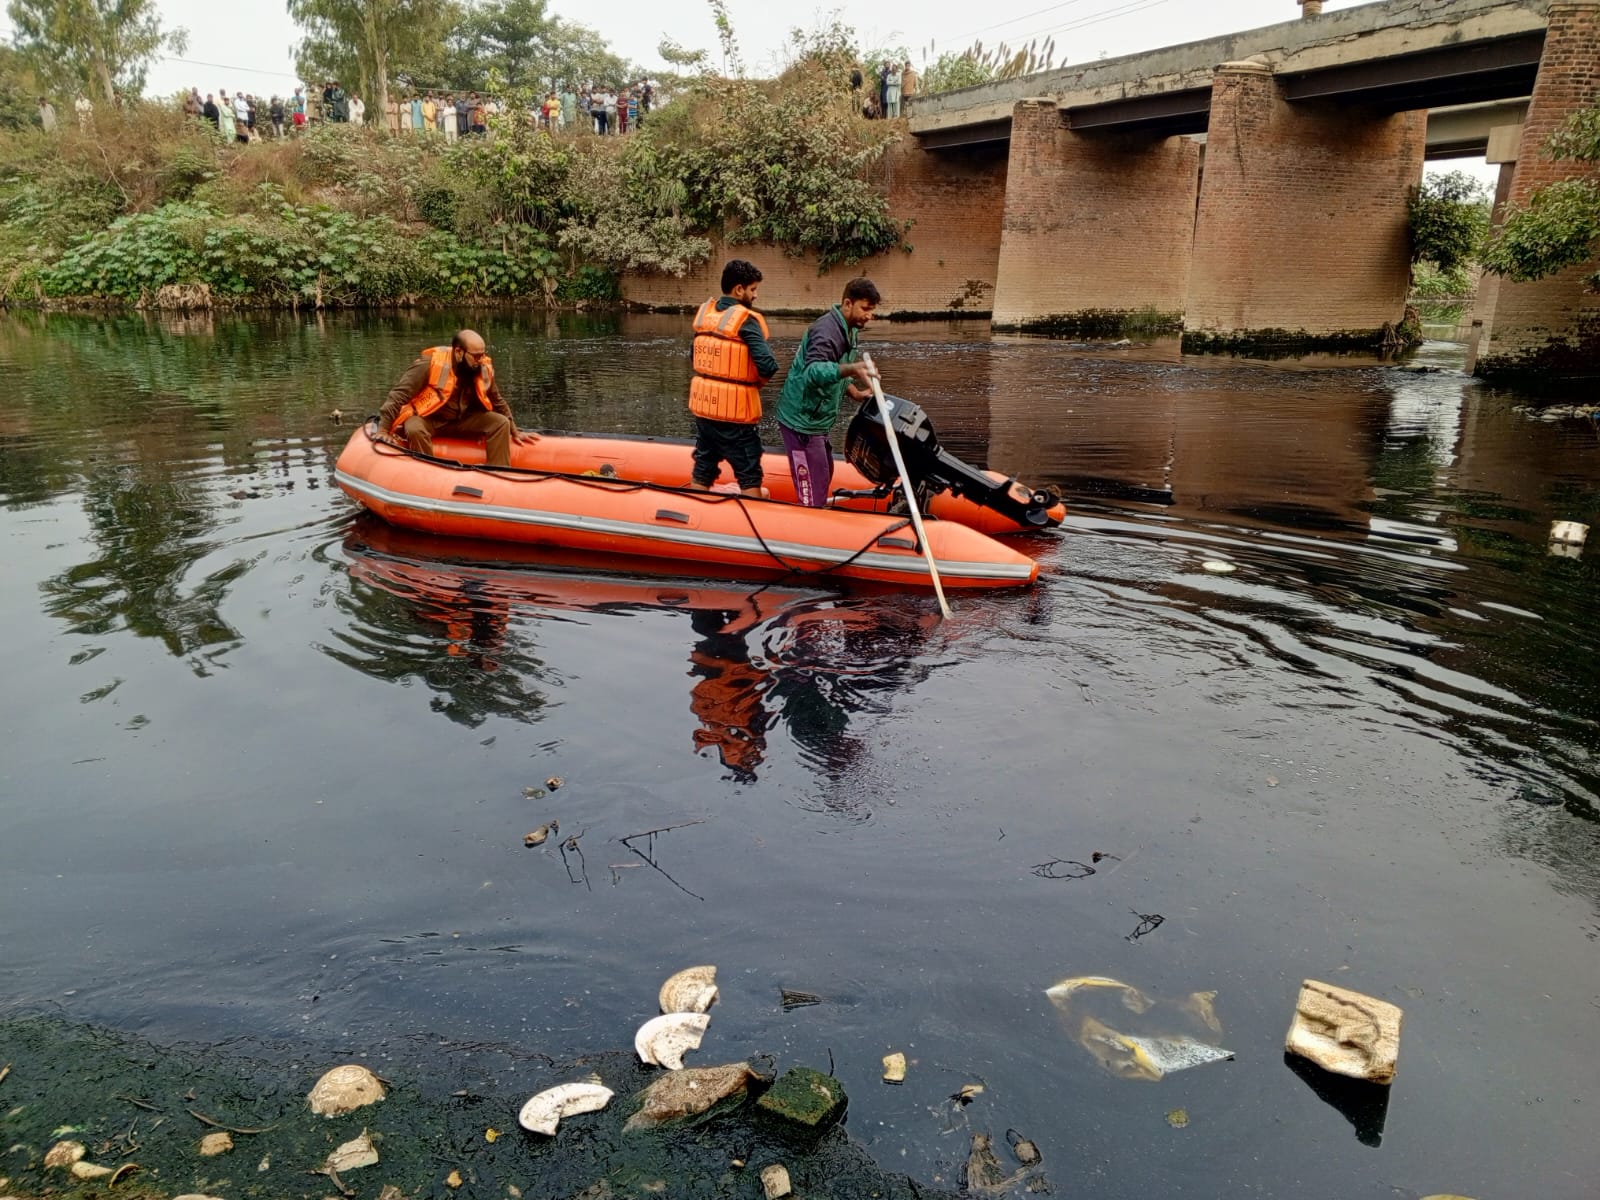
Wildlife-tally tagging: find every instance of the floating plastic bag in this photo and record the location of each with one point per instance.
(1134, 1036)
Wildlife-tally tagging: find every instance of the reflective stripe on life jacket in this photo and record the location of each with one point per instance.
(726, 384)
(441, 385)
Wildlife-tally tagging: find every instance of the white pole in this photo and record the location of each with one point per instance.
(906, 485)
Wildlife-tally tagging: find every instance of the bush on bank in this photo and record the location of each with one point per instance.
(148, 199)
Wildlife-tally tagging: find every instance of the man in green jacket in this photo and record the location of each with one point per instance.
(824, 371)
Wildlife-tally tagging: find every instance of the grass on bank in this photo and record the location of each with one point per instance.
(147, 199)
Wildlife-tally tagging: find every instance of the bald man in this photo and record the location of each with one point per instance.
(451, 389)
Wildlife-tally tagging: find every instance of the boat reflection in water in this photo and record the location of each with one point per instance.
(763, 656)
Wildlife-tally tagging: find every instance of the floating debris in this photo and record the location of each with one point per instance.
(216, 1143)
(894, 1067)
(968, 1092)
(983, 1171)
(343, 1090)
(554, 782)
(491, 1135)
(690, 1092)
(692, 990)
(1148, 923)
(790, 998)
(1345, 1032)
(541, 835)
(534, 793)
(775, 1181)
(804, 1097)
(1169, 1036)
(453, 1180)
(352, 1155)
(1219, 566)
(1573, 533)
(542, 1113)
(662, 1041)
(1178, 1118)
(64, 1154)
(1027, 1153)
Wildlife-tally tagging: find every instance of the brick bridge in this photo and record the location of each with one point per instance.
(1252, 186)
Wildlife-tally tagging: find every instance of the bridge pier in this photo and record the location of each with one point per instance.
(1549, 329)
(1301, 238)
(1097, 230)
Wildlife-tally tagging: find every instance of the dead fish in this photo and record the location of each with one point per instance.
(1027, 1153)
(542, 834)
(534, 793)
(793, 999)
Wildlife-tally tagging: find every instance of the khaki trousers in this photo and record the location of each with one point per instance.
(494, 428)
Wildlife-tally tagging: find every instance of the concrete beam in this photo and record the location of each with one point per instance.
(1465, 132)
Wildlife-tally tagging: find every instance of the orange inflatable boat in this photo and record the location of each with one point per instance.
(628, 496)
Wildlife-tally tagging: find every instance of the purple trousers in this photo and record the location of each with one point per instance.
(811, 464)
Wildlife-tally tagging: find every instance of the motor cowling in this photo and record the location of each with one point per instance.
(932, 468)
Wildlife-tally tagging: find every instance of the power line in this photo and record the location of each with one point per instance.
(1014, 20)
(225, 67)
(1110, 14)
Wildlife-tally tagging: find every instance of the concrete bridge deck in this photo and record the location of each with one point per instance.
(1395, 56)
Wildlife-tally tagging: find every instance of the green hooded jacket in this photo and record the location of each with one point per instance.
(813, 390)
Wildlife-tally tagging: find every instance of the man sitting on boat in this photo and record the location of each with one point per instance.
(451, 389)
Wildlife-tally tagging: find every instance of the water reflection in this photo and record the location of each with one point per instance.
(458, 616)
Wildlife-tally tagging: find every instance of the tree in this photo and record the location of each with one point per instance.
(103, 47)
(19, 91)
(1449, 218)
(377, 35)
(1560, 227)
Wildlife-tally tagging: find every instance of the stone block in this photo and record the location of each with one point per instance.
(1345, 1032)
(806, 1098)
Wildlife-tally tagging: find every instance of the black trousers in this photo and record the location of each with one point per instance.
(740, 445)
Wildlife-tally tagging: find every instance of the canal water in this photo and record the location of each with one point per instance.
(265, 762)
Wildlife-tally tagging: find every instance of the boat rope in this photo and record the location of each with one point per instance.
(529, 475)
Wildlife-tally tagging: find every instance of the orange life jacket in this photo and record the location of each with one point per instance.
(726, 385)
(441, 385)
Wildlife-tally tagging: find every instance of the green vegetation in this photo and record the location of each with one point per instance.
(1449, 217)
(975, 65)
(785, 162)
(101, 49)
(1560, 227)
(149, 208)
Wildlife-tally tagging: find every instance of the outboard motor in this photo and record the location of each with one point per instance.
(932, 468)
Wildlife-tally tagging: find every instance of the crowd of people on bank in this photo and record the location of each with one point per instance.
(244, 117)
(893, 82)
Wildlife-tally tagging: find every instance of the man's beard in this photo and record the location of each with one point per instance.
(471, 370)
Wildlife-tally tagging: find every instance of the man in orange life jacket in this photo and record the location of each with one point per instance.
(451, 390)
(731, 362)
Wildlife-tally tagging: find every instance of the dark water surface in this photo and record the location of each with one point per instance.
(264, 763)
